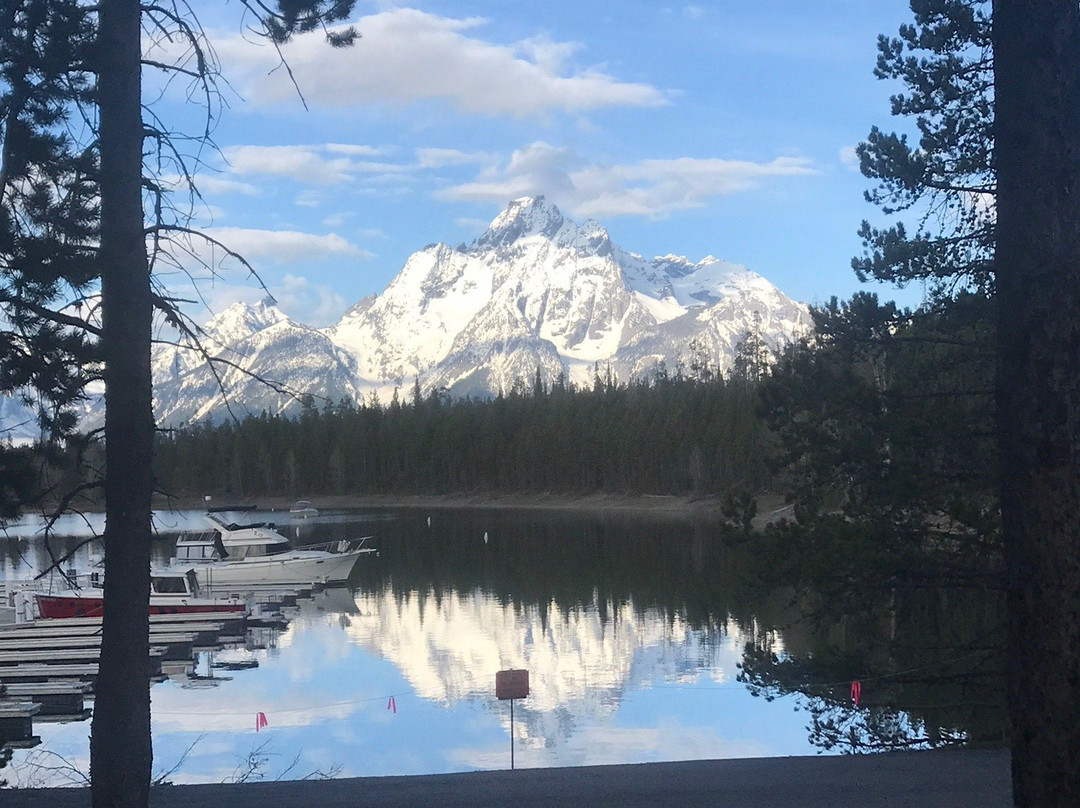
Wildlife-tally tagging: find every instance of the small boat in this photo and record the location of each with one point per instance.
(172, 591)
(302, 509)
(232, 554)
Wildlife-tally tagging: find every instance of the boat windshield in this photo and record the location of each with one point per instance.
(257, 550)
(276, 549)
(232, 527)
(168, 585)
(202, 549)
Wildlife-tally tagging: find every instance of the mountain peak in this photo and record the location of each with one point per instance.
(241, 319)
(525, 216)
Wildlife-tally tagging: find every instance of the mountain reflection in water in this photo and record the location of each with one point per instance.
(633, 630)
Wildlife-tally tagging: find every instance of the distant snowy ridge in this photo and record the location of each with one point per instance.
(534, 291)
(256, 353)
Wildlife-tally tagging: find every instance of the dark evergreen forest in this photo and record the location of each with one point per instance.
(671, 435)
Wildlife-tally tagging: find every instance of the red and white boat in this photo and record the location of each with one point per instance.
(172, 591)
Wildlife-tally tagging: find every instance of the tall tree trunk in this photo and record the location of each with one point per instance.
(1037, 155)
(120, 744)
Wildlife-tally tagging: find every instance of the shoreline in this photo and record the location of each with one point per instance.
(771, 507)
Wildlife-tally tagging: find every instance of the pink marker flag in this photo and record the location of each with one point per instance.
(856, 692)
(260, 721)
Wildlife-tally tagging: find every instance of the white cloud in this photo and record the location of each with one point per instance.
(472, 225)
(338, 219)
(314, 304)
(652, 188)
(984, 203)
(307, 164)
(539, 168)
(437, 158)
(309, 199)
(548, 56)
(285, 246)
(329, 164)
(311, 303)
(406, 55)
(354, 149)
(849, 158)
(206, 274)
(212, 184)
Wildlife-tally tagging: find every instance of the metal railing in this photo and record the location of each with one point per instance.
(340, 546)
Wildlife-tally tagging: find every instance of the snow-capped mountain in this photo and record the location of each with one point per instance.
(535, 290)
(18, 422)
(250, 359)
(254, 359)
(538, 291)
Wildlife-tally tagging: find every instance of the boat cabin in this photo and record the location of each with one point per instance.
(164, 582)
(233, 542)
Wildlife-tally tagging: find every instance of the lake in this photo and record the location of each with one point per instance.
(643, 637)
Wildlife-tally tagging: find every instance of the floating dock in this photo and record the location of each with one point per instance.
(48, 667)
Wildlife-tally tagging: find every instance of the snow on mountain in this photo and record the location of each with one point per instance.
(260, 360)
(18, 422)
(534, 291)
(537, 291)
(726, 303)
(411, 326)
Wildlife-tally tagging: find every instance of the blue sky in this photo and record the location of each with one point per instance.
(723, 128)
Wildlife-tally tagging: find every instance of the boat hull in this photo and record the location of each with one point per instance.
(60, 606)
(288, 568)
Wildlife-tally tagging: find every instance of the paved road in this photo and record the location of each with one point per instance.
(946, 779)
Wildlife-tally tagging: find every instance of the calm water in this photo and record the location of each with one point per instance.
(633, 631)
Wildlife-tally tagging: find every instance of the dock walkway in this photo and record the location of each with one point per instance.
(942, 779)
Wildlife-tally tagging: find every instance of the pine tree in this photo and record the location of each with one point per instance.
(994, 183)
(1037, 157)
(48, 224)
(945, 182)
(120, 747)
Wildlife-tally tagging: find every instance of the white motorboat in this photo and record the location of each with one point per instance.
(233, 554)
(302, 509)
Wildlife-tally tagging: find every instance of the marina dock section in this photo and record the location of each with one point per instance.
(48, 667)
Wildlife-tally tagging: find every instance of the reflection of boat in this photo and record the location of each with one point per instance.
(302, 509)
(329, 600)
(172, 591)
(256, 553)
